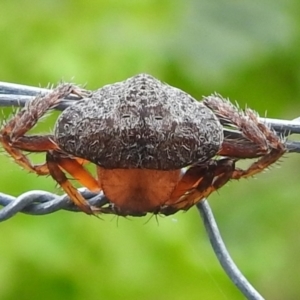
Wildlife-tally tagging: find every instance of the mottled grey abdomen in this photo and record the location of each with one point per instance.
(139, 123)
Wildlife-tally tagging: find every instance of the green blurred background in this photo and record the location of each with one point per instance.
(245, 50)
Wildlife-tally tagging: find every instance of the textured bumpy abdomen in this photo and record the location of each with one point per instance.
(139, 123)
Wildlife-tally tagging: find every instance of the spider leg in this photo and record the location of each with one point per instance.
(259, 140)
(36, 143)
(21, 159)
(35, 109)
(14, 141)
(197, 183)
(12, 133)
(55, 162)
(59, 176)
(74, 167)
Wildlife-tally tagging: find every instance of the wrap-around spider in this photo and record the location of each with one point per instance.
(140, 134)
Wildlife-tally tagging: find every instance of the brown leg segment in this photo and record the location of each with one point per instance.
(258, 166)
(36, 143)
(198, 183)
(53, 163)
(78, 172)
(12, 134)
(28, 116)
(22, 159)
(14, 141)
(260, 140)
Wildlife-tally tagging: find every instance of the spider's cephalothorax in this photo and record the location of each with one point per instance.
(140, 133)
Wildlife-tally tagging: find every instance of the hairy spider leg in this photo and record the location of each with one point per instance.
(23, 121)
(268, 146)
(197, 183)
(260, 141)
(57, 161)
(14, 141)
(74, 167)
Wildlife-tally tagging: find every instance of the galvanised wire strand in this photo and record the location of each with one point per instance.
(222, 253)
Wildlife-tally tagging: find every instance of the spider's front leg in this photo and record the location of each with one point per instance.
(12, 134)
(14, 140)
(258, 139)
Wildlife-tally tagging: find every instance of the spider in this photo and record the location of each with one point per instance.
(141, 134)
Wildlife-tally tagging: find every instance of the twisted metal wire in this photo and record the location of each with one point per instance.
(222, 253)
(38, 202)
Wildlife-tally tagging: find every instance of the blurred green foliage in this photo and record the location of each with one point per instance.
(247, 51)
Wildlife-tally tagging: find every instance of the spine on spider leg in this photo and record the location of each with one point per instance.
(258, 139)
(224, 109)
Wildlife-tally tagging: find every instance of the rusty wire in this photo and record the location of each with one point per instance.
(41, 202)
